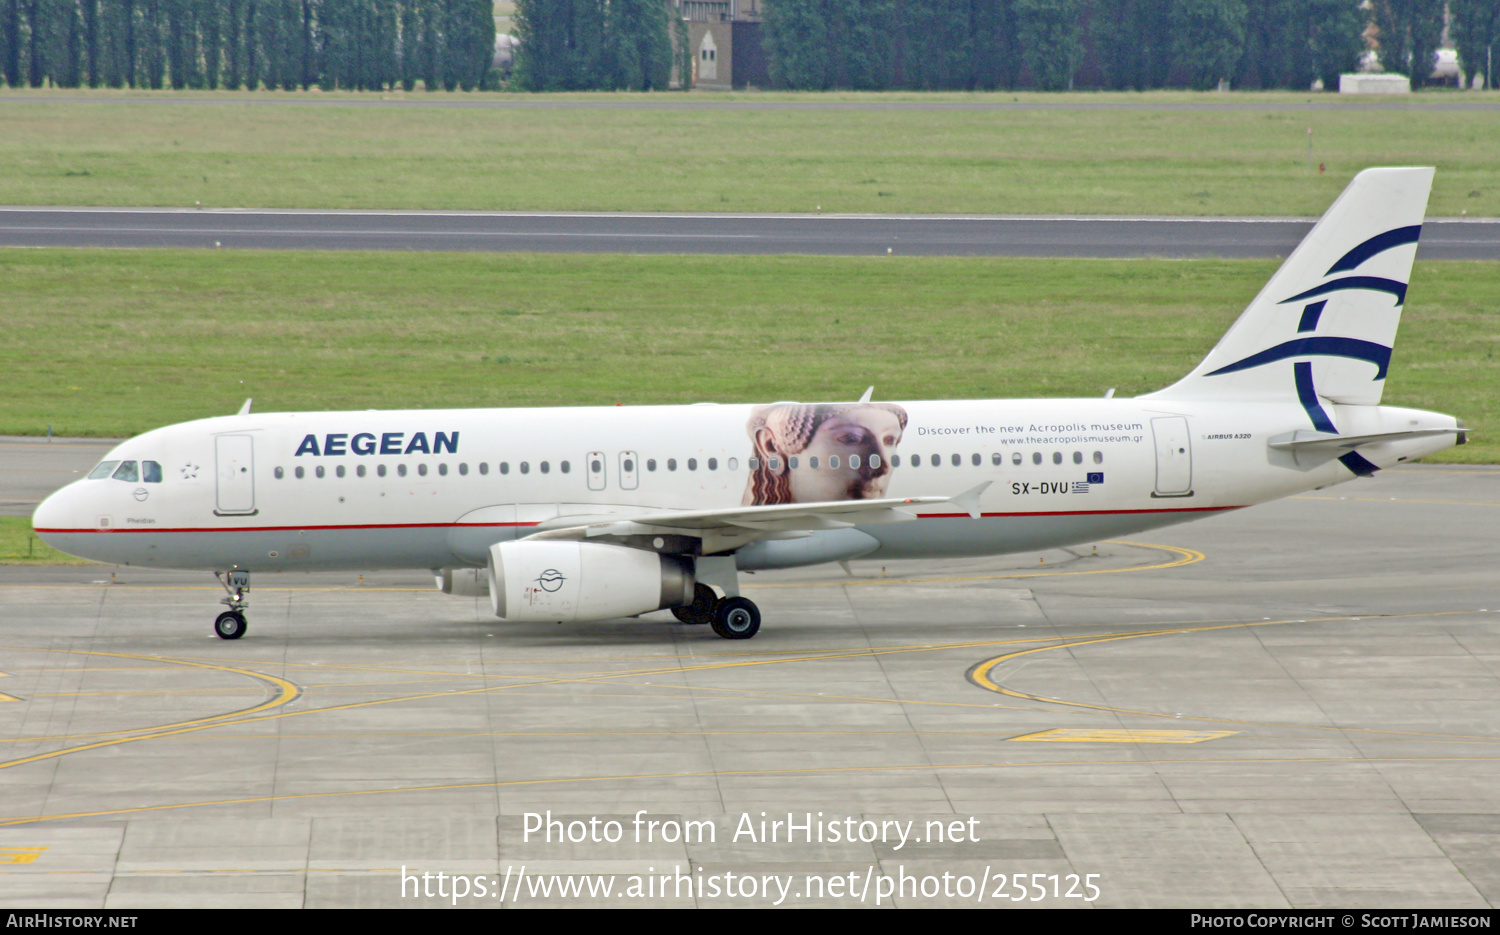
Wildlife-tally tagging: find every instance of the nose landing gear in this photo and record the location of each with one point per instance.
(231, 624)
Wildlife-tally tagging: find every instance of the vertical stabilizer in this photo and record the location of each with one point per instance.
(1322, 329)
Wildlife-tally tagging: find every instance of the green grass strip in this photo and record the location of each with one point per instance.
(1160, 153)
(116, 342)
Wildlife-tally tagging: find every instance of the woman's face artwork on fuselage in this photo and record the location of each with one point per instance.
(822, 452)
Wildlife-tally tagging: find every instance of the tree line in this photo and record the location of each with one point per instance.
(576, 45)
(1115, 44)
(811, 44)
(252, 44)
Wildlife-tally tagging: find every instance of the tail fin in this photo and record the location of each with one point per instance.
(1324, 326)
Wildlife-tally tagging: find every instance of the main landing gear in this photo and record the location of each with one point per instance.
(231, 624)
(733, 618)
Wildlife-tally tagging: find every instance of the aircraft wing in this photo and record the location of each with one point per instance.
(732, 527)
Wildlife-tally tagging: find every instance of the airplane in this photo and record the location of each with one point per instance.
(574, 514)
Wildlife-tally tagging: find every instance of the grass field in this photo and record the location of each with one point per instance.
(19, 545)
(1167, 153)
(114, 342)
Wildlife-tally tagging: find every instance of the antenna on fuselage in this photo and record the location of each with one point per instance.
(869, 391)
(245, 409)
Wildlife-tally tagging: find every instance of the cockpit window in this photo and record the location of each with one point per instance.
(127, 472)
(104, 469)
(151, 472)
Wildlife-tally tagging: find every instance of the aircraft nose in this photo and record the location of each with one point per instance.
(54, 515)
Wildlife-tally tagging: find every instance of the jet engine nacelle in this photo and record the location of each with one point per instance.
(566, 581)
(462, 582)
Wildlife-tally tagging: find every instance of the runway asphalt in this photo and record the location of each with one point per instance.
(1294, 705)
(863, 235)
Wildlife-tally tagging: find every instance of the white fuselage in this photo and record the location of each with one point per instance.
(436, 488)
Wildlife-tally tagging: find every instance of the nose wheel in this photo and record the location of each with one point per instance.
(231, 624)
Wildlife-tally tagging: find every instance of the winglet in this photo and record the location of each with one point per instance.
(869, 391)
(245, 409)
(968, 501)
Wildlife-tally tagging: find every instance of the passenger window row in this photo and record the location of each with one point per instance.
(152, 470)
(339, 470)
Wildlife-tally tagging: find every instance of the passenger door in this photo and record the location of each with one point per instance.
(236, 475)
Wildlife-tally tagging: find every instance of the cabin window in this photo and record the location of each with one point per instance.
(504, 467)
(734, 464)
(773, 463)
(671, 464)
(339, 470)
(854, 462)
(422, 469)
(442, 469)
(300, 472)
(997, 459)
(1098, 457)
(875, 462)
(463, 469)
(279, 473)
(1015, 458)
(319, 471)
(813, 462)
(1077, 457)
(1057, 457)
(916, 460)
(791, 463)
(380, 470)
(833, 462)
(976, 460)
(650, 464)
(1036, 457)
(401, 470)
(151, 472)
(104, 469)
(692, 464)
(957, 460)
(546, 468)
(565, 467)
(595, 466)
(484, 467)
(895, 461)
(525, 467)
(127, 472)
(713, 464)
(360, 470)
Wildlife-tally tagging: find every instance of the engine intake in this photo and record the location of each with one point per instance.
(568, 581)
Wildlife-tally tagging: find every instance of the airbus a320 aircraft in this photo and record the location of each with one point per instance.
(599, 513)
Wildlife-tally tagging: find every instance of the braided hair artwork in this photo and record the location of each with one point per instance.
(783, 431)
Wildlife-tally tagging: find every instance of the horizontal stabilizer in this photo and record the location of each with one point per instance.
(1303, 440)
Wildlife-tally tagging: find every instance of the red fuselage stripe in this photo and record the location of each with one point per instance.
(1192, 509)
